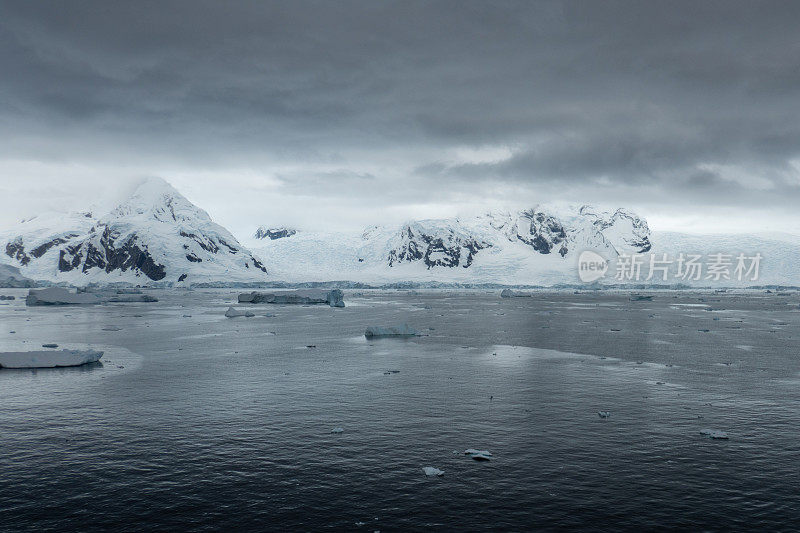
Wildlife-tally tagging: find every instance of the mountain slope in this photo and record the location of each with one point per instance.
(156, 235)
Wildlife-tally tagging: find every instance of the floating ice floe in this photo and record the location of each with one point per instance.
(133, 298)
(337, 430)
(129, 291)
(508, 293)
(479, 455)
(714, 434)
(391, 331)
(233, 313)
(48, 358)
(604, 414)
(334, 297)
(431, 471)
(59, 296)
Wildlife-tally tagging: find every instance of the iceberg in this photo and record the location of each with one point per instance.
(59, 296)
(508, 293)
(233, 313)
(391, 331)
(48, 358)
(479, 455)
(604, 414)
(337, 430)
(431, 471)
(334, 297)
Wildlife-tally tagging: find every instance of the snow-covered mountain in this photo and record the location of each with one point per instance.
(155, 235)
(532, 246)
(538, 246)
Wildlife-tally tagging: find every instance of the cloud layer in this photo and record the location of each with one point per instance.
(320, 113)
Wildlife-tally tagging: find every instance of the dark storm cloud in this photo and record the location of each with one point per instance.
(683, 97)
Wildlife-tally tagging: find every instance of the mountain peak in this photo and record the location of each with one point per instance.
(155, 198)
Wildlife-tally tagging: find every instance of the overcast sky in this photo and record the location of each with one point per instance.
(340, 114)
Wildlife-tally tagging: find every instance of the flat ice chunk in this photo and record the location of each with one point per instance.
(714, 434)
(508, 293)
(479, 455)
(233, 313)
(334, 297)
(48, 358)
(391, 331)
(59, 296)
(431, 471)
(337, 430)
(128, 298)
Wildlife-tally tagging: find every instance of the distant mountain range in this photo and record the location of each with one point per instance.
(158, 236)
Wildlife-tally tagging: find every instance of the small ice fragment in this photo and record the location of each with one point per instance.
(714, 434)
(431, 471)
(604, 414)
(391, 331)
(337, 430)
(233, 313)
(479, 455)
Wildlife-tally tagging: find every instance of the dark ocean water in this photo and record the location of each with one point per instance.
(206, 423)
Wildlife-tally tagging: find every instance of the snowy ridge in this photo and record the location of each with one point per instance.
(533, 246)
(156, 235)
(537, 246)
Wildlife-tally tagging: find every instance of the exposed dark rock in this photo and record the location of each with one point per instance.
(15, 249)
(274, 233)
(448, 251)
(111, 256)
(542, 232)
